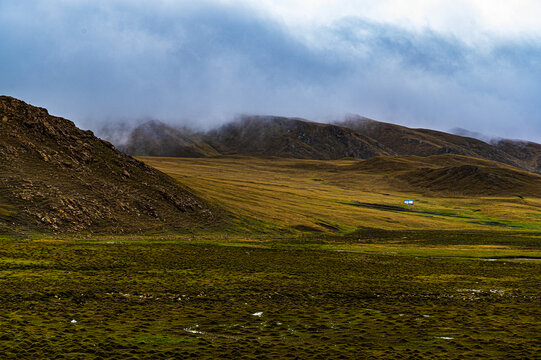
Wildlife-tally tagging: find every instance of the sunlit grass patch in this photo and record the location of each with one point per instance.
(277, 195)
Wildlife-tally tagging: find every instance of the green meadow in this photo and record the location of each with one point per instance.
(392, 294)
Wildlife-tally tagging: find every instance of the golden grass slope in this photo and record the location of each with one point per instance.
(276, 194)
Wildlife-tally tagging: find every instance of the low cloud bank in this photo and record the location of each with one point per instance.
(201, 64)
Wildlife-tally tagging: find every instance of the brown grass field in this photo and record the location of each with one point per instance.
(292, 195)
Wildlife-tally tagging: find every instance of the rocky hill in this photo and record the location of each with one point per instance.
(56, 177)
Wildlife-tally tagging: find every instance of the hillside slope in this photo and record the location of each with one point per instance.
(57, 177)
(424, 142)
(455, 175)
(475, 181)
(528, 153)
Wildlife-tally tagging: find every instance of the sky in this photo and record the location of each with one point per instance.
(473, 64)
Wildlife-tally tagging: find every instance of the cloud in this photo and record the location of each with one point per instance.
(472, 20)
(200, 63)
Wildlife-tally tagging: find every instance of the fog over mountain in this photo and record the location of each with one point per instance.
(201, 63)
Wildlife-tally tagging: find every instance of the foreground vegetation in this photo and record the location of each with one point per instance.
(373, 294)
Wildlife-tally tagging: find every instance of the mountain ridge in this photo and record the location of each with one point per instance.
(355, 137)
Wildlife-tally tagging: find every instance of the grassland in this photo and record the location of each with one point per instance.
(323, 263)
(385, 295)
(291, 195)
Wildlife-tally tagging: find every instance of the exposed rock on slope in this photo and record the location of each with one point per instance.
(54, 176)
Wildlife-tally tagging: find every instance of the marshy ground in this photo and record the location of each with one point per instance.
(373, 294)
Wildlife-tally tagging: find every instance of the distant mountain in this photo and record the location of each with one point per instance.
(292, 138)
(56, 177)
(255, 136)
(355, 137)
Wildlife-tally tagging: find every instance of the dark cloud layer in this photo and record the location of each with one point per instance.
(200, 63)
